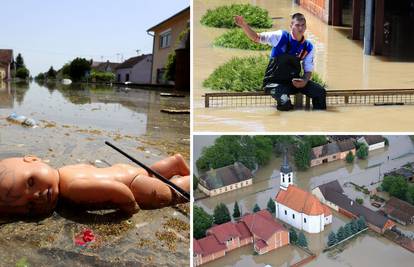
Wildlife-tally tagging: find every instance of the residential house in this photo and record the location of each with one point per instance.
(135, 70)
(372, 141)
(332, 195)
(6, 60)
(105, 66)
(259, 229)
(166, 34)
(399, 211)
(405, 172)
(298, 207)
(325, 153)
(346, 146)
(225, 179)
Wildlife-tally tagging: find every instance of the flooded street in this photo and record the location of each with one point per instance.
(74, 122)
(339, 60)
(363, 172)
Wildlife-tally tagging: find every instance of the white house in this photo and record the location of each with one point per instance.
(135, 70)
(372, 141)
(298, 207)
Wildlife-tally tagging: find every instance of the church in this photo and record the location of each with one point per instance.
(298, 207)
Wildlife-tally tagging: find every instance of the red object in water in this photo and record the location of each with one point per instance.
(85, 237)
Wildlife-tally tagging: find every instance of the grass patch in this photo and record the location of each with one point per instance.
(223, 17)
(243, 75)
(235, 38)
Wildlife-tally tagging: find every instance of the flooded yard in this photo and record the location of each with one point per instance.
(74, 121)
(362, 172)
(339, 60)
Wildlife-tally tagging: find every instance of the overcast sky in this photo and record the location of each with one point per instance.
(50, 32)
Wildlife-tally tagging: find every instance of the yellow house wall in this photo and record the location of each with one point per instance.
(177, 25)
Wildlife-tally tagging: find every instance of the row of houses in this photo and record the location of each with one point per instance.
(332, 195)
(338, 148)
(257, 229)
(6, 60)
(406, 171)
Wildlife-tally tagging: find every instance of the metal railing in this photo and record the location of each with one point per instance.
(333, 98)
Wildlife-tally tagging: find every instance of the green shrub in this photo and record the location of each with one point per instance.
(243, 75)
(239, 74)
(350, 157)
(223, 17)
(236, 38)
(99, 76)
(22, 73)
(360, 201)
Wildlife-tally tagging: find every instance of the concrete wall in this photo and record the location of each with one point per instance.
(177, 25)
(376, 146)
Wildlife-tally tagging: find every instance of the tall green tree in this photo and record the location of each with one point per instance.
(350, 157)
(348, 229)
(332, 239)
(22, 73)
(302, 241)
(79, 68)
(236, 210)
(303, 156)
(340, 235)
(202, 221)
(354, 226)
(256, 208)
(221, 214)
(271, 206)
(362, 152)
(315, 140)
(293, 236)
(19, 63)
(361, 223)
(51, 73)
(263, 148)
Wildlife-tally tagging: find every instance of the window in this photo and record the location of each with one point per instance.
(285, 212)
(283, 179)
(231, 187)
(165, 39)
(289, 179)
(304, 220)
(127, 77)
(293, 216)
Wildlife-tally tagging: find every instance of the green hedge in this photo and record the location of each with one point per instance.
(243, 75)
(236, 38)
(223, 17)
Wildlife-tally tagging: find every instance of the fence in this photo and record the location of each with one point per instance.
(333, 98)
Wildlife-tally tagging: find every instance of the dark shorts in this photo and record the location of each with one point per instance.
(313, 90)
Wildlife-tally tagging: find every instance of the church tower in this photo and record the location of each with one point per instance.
(286, 173)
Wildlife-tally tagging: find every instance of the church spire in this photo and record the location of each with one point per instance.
(286, 173)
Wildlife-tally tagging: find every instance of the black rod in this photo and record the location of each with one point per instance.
(179, 190)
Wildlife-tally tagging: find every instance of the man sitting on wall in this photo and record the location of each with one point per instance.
(282, 77)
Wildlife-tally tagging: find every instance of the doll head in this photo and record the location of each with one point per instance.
(28, 186)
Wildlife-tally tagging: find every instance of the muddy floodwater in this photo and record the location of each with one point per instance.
(73, 123)
(363, 172)
(339, 60)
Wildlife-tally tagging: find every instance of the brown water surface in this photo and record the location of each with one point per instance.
(339, 60)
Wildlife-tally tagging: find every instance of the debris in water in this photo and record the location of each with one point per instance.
(85, 237)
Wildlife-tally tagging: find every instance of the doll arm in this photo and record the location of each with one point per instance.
(103, 192)
(152, 193)
(171, 166)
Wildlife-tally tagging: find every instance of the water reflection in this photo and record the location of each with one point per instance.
(129, 111)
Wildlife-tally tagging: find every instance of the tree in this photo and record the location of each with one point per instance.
(340, 235)
(354, 226)
(302, 240)
(256, 208)
(19, 62)
(302, 156)
(350, 157)
(78, 69)
(51, 73)
(40, 77)
(22, 73)
(293, 236)
(271, 206)
(221, 214)
(361, 223)
(332, 239)
(362, 152)
(315, 140)
(202, 221)
(348, 230)
(195, 182)
(263, 149)
(359, 200)
(236, 210)
(398, 188)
